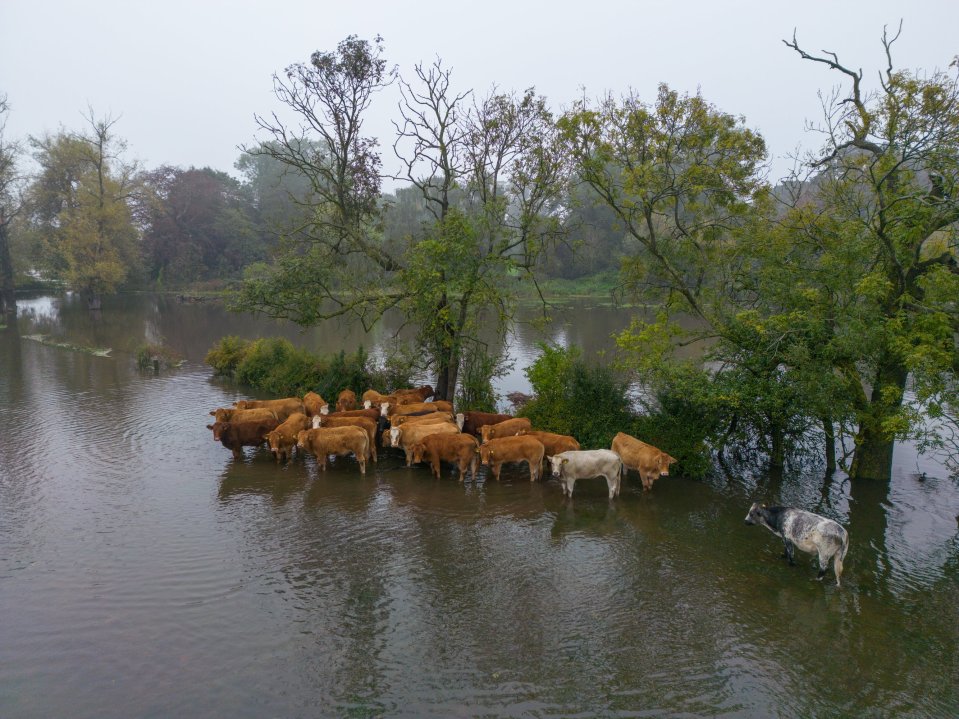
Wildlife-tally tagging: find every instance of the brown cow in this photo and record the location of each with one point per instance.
(407, 395)
(458, 449)
(335, 440)
(513, 449)
(313, 403)
(650, 462)
(229, 414)
(282, 439)
(509, 428)
(365, 423)
(414, 407)
(470, 422)
(554, 443)
(346, 400)
(398, 419)
(283, 407)
(373, 414)
(405, 436)
(237, 435)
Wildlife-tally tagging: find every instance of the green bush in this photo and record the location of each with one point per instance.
(275, 366)
(226, 354)
(571, 397)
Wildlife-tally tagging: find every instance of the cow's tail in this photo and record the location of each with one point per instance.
(840, 556)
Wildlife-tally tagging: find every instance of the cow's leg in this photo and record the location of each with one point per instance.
(789, 552)
(823, 563)
(474, 465)
(238, 453)
(837, 566)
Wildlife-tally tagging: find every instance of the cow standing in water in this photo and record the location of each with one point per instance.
(810, 532)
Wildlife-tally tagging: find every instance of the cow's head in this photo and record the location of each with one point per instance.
(385, 408)
(222, 414)
(426, 391)
(217, 428)
(325, 409)
(556, 464)
(485, 453)
(664, 461)
(487, 432)
(419, 449)
(275, 440)
(395, 436)
(301, 438)
(318, 420)
(367, 404)
(756, 514)
(243, 404)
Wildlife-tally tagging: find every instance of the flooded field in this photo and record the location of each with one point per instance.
(146, 573)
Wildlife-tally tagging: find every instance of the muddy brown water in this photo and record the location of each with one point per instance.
(145, 573)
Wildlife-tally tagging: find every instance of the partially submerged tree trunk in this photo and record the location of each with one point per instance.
(874, 443)
(8, 299)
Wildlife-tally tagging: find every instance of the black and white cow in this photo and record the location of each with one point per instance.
(574, 464)
(810, 532)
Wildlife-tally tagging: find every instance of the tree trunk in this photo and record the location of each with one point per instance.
(8, 298)
(777, 451)
(874, 445)
(829, 433)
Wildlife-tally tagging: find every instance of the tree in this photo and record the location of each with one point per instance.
(199, 225)
(10, 206)
(686, 183)
(883, 209)
(489, 177)
(81, 207)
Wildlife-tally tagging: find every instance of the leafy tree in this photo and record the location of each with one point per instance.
(10, 206)
(488, 175)
(198, 226)
(876, 241)
(686, 183)
(80, 207)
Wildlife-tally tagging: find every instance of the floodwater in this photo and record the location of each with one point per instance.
(145, 573)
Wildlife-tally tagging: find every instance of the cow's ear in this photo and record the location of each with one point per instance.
(213, 413)
(209, 426)
(565, 460)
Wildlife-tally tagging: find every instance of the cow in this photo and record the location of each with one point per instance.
(283, 407)
(554, 443)
(365, 423)
(313, 403)
(346, 400)
(807, 531)
(650, 462)
(373, 414)
(231, 414)
(508, 428)
(425, 416)
(407, 435)
(283, 438)
(237, 435)
(339, 441)
(569, 466)
(513, 449)
(407, 395)
(413, 407)
(470, 422)
(458, 449)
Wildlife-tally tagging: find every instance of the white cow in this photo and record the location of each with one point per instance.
(585, 464)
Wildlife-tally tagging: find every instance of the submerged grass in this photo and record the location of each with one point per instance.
(45, 340)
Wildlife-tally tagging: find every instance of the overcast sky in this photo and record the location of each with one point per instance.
(185, 77)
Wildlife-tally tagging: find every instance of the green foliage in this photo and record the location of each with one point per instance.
(572, 397)
(225, 355)
(477, 370)
(275, 366)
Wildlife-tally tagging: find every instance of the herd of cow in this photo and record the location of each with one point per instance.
(431, 432)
